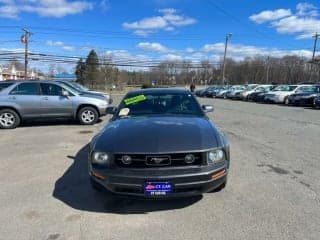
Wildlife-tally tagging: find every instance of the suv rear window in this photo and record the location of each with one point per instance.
(4, 85)
(25, 89)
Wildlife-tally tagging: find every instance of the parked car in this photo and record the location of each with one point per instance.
(306, 98)
(209, 91)
(250, 89)
(234, 92)
(216, 90)
(204, 92)
(159, 143)
(46, 99)
(82, 89)
(281, 93)
(259, 93)
(223, 92)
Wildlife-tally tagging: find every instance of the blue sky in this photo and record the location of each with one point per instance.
(156, 30)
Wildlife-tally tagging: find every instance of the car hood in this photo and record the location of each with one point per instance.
(163, 134)
(99, 93)
(223, 91)
(93, 95)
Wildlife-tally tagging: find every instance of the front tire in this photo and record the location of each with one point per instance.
(88, 116)
(9, 119)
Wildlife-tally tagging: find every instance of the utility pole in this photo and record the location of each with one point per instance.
(316, 36)
(268, 68)
(228, 36)
(25, 40)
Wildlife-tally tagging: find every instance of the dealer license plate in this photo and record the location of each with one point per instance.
(157, 188)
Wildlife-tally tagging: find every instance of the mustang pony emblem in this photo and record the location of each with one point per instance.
(158, 160)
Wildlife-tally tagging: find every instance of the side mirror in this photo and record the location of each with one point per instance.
(111, 110)
(110, 101)
(65, 93)
(207, 108)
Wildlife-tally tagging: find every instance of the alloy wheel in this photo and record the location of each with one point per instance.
(7, 119)
(87, 116)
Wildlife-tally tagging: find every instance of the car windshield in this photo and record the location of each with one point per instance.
(238, 88)
(285, 88)
(289, 88)
(251, 87)
(79, 86)
(159, 103)
(307, 89)
(70, 88)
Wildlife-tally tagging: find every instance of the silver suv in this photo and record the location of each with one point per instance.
(46, 99)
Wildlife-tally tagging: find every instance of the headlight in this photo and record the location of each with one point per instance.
(100, 158)
(215, 156)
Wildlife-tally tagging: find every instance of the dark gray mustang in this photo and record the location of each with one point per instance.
(159, 143)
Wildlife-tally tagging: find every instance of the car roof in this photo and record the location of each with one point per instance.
(159, 90)
(9, 80)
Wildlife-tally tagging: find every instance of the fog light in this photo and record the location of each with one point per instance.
(189, 158)
(126, 159)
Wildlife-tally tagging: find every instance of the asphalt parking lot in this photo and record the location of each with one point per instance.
(272, 193)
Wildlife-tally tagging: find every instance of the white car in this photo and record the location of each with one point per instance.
(281, 93)
(251, 89)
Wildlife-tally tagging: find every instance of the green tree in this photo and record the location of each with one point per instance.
(92, 69)
(80, 71)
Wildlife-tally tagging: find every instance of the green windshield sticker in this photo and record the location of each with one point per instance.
(135, 99)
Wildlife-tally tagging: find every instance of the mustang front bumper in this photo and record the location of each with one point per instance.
(185, 181)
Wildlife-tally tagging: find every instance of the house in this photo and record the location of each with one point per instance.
(11, 73)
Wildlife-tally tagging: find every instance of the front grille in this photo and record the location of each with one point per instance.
(167, 160)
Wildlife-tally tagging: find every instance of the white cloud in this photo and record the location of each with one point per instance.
(153, 47)
(10, 50)
(172, 57)
(168, 10)
(307, 9)
(124, 57)
(9, 11)
(189, 50)
(303, 23)
(266, 16)
(44, 8)
(61, 45)
(105, 5)
(304, 27)
(238, 51)
(169, 21)
(147, 23)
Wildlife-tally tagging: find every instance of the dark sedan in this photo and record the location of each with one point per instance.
(258, 96)
(159, 143)
(306, 97)
(204, 92)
